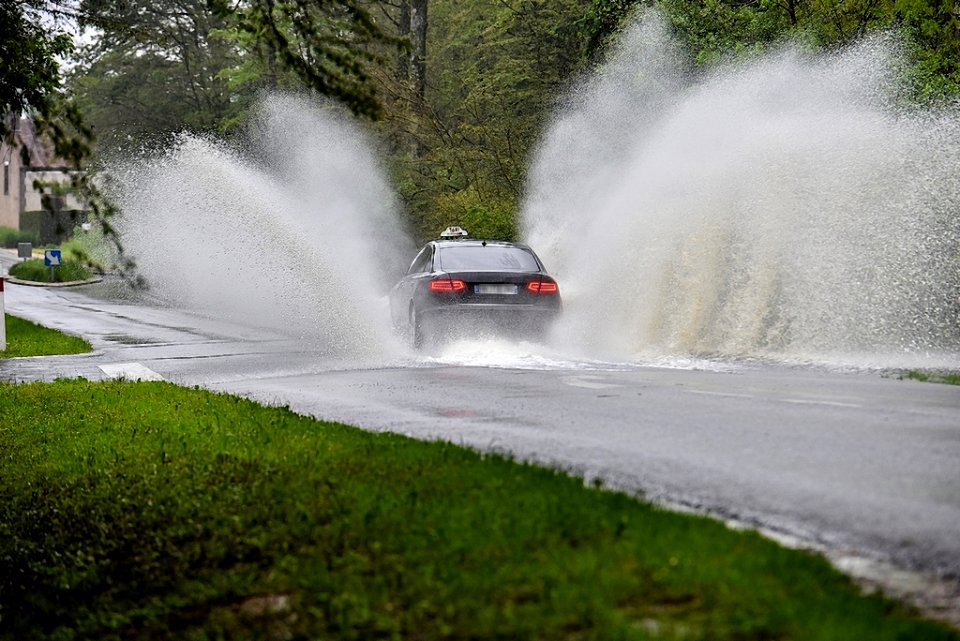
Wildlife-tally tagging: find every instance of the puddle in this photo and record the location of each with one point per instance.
(123, 339)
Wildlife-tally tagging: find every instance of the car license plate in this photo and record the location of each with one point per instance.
(495, 288)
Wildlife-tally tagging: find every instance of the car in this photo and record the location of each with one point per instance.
(461, 286)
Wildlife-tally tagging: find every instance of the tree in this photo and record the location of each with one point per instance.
(493, 71)
(933, 28)
(603, 20)
(30, 78)
(157, 68)
(330, 45)
(326, 43)
(32, 36)
(712, 29)
(417, 12)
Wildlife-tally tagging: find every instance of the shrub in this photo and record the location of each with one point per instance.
(89, 248)
(491, 220)
(49, 227)
(483, 222)
(35, 270)
(9, 237)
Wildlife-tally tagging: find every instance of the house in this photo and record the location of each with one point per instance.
(26, 159)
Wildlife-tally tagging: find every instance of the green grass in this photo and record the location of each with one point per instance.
(34, 269)
(150, 511)
(932, 377)
(29, 339)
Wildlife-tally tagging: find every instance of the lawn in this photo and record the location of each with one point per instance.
(151, 511)
(29, 339)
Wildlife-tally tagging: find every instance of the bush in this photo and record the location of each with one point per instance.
(89, 248)
(51, 228)
(9, 237)
(483, 222)
(35, 270)
(492, 221)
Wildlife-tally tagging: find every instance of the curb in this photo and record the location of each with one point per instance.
(35, 283)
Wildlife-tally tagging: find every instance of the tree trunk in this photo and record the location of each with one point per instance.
(418, 54)
(403, 24)
(271, 76)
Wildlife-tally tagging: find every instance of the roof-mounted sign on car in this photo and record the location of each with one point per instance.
(454, 232)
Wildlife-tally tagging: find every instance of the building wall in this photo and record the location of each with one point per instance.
(33, 199)
(17, 193)
(10, 164)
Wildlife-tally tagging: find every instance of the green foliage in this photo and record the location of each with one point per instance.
(149, 511)
(491, 221)
(145, 98)
(716, 29)
(951, 378)
(29, 72)
(494, 70)
(330, 45)
(35, 270)
(603, 21)
(50, 227)
(932, 28)
(9, 237)
(29, 339)
(90, 248)
(157, 69)
(32, 38)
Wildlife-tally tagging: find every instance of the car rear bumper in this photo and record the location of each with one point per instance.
(480, 319)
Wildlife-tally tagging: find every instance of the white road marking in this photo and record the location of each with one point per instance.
(793, 401)
(130, 372)
(588, 382)
(695, 391)
(798, 401)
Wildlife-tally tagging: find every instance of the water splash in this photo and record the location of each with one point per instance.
(781, 208)
(297, 230)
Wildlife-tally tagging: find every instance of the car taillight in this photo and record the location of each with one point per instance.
(543, 287)
(447, 285)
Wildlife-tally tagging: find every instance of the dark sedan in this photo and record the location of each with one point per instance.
(466, 287)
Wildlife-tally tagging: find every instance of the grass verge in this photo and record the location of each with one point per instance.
(949, 378)
(29, 339)
(149, 511)
(35, 270)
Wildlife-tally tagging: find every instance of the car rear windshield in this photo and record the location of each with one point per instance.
(489, 258)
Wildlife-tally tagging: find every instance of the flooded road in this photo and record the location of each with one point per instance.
(860, 465)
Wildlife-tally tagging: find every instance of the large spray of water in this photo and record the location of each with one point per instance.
(298, 230)
(780, 208)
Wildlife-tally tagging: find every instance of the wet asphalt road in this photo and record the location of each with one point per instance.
(856, 464)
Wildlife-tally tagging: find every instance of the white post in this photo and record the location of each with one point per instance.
(3, 320)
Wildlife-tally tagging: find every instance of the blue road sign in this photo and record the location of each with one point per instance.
(51, 258)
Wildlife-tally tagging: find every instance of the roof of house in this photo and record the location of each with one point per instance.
(39, 149)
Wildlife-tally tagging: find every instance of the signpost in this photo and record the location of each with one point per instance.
(3, 320)
(52, 259)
